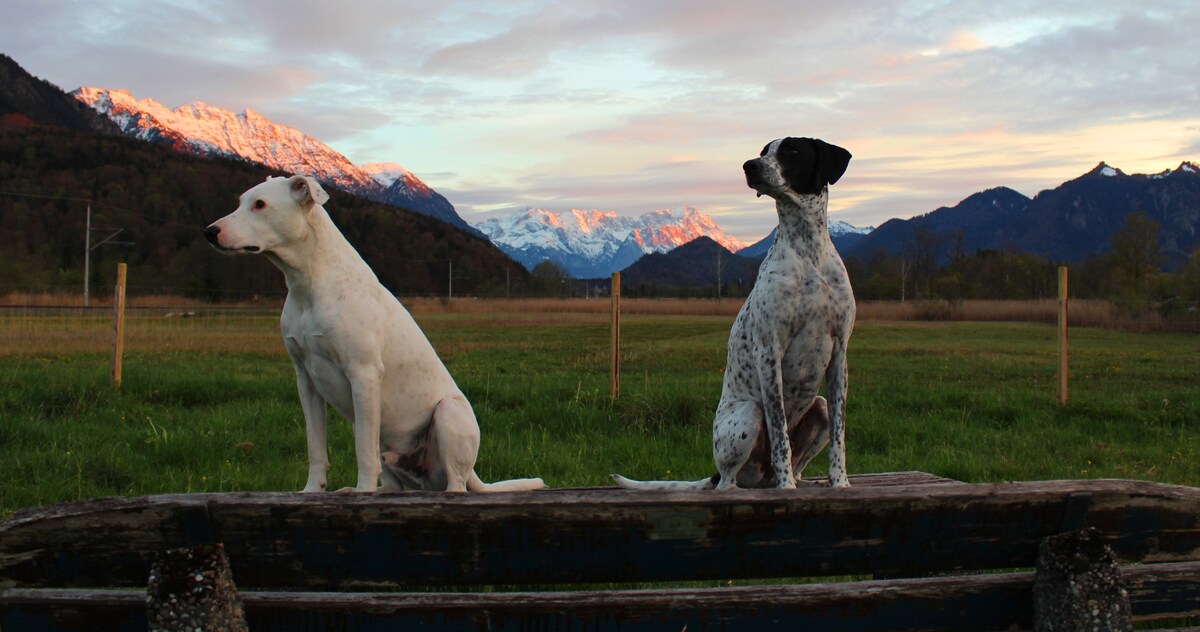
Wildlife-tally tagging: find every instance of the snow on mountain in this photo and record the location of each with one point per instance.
(838, 228)
(385, 173)
(203, 129)
(1184, 167)
(592, 243)
(206, 130)
(842, 233)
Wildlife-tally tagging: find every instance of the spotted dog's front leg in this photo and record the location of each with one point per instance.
(771, 379)
(836, 380)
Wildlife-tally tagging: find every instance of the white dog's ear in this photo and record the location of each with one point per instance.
(307, 191)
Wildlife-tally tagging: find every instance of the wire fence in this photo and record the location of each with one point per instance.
(165, 324)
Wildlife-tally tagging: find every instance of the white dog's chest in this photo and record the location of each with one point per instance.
(313, 354)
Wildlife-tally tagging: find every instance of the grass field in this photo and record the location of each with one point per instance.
(209, 403)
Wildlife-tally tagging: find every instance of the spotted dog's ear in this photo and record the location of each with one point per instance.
(832, 161)
(810, 163)
(307, 191)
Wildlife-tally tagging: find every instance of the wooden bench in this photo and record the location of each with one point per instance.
(901, 551)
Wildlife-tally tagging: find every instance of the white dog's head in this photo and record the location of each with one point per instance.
(792, 167)
(270, 216)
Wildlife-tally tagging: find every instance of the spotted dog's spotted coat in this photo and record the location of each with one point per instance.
(790, 334)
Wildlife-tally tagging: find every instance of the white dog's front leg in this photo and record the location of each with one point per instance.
(367, 410)
(313, 406)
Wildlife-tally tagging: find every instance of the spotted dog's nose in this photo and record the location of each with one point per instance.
(753, 169)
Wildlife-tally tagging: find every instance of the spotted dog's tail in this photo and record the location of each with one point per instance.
(704, 483)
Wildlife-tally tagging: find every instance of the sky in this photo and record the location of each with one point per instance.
(633, 106)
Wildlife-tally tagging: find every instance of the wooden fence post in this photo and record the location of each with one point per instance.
(118, 326)
(616, 334)
(1062, 335)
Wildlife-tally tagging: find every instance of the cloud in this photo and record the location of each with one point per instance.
(590, 103)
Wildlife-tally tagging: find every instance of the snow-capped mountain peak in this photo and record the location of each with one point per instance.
(842, 233)
(837, 228)
(1105, 170)
(385, 173)
(591, 243)
(207, 130)
(204, 129)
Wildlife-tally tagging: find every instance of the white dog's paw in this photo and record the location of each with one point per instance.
(313, 487)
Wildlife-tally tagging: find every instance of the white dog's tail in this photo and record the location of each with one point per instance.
(704, 483)
(513, 485)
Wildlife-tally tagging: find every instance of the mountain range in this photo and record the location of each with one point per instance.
(205, 130)
(59, 157)
(700, 263)
(1069, 223)
(844, 236)
(25, 99)
(592, 244)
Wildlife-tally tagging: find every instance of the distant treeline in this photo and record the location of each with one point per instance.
(934, 267)
(161, 200)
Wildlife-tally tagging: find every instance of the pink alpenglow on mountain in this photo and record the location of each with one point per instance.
(592, 243)
(206, 130)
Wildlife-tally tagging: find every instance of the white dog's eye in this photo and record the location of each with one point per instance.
(259, 205)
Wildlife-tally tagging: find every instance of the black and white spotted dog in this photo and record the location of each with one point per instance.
(790, 334)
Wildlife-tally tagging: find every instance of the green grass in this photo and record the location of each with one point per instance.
(971, 401)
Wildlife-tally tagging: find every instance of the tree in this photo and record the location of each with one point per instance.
(919, 260)
(549, 277)
(1134, 259)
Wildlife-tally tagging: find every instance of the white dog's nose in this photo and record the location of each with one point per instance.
(211, 234)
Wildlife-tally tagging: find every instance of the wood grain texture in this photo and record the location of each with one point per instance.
(980, 602)
(348, 542)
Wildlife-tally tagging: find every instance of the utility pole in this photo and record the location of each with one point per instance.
(88, 248)
(450, 283)
(87, 252)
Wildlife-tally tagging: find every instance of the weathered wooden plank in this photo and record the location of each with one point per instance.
(980, 602)
(337, 541)
(894, 479)
(1163, 591)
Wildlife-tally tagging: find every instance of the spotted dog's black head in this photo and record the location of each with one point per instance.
(801, 166)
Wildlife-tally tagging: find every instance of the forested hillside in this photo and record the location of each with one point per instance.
(161, 200)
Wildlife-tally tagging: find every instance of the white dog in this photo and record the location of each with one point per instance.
(790, 334)
(357, 349)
